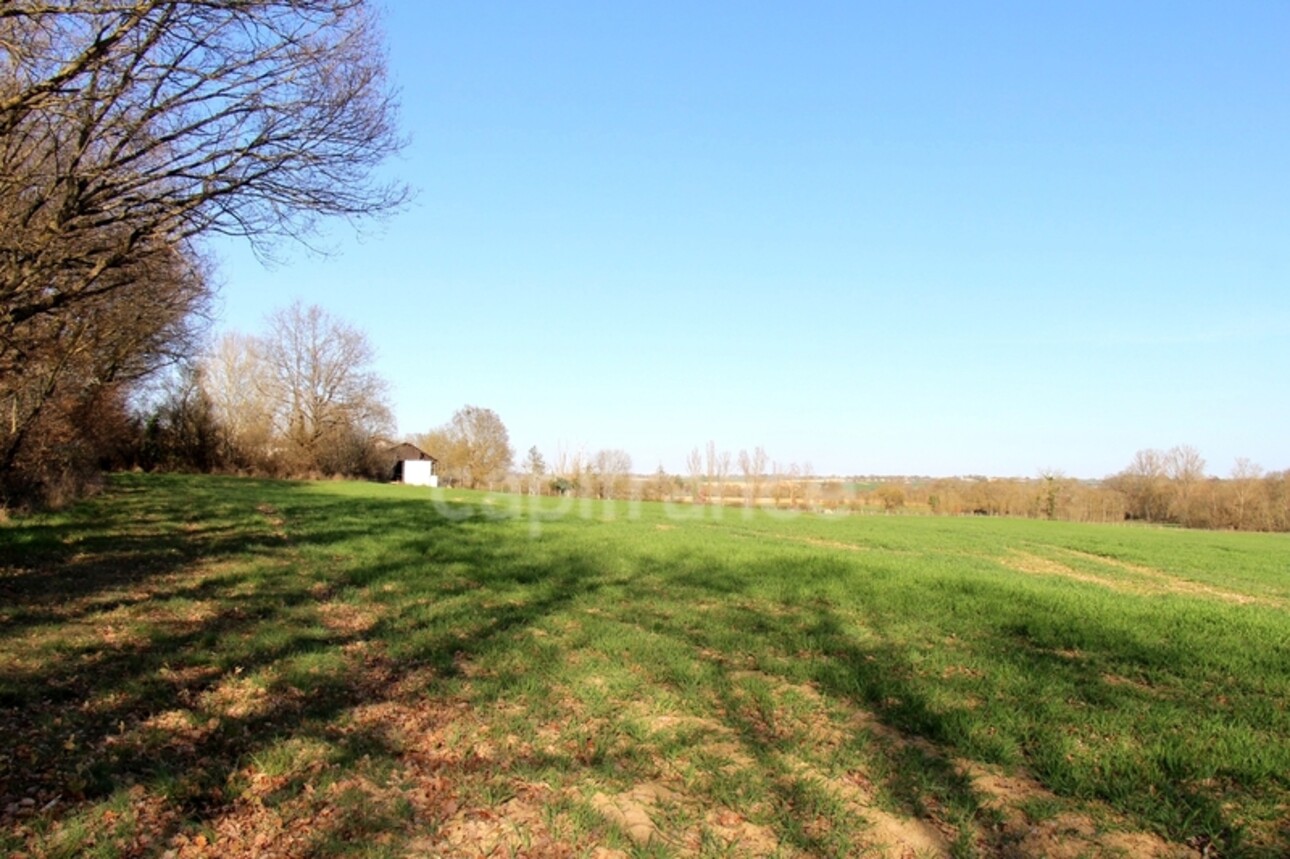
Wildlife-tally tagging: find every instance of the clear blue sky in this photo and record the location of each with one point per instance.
(922, 238)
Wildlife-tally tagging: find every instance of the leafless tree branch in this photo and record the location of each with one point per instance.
(130, 128)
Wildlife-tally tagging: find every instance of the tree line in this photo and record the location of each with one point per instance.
(300, 398)
(131, 130)
(1162, 487)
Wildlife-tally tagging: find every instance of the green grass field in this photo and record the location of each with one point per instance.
(197, 666)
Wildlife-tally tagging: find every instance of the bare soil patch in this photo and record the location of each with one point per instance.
(1067, 835)
(1161, 581)
(1148, 581)
(1024, 562)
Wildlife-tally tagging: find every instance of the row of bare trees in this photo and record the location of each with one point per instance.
(1172, 486)
(1246, 500)
(1163, 487)
(300, 398)
(1166, 487)
(710, 477)
(605, 474)
(130, 130)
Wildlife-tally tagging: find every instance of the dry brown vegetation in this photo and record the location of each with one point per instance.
(1168, 487)
(128, 131)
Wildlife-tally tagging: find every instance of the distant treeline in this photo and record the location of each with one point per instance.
(1163, 487)
(1250, 503)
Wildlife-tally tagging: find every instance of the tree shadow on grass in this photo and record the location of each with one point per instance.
(923, 780)
(176, 634)
(171, 634)
(139, 534)
(883, 678)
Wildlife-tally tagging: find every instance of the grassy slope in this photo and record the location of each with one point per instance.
(348, 668)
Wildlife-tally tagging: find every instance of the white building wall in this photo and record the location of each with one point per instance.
(417, 472)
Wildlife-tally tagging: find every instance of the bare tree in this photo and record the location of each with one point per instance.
(1143, 484)
(1247, 509)
(328, 403)
(793, 477)
(660, 486)
(776, 483)
(129, 121)
(183, 432)
(723, 474)
(746, 469)
(694, 467)
(810, 487)
(128, 128)
(610, 470)
(234, 376)
(753, 468)
(475, 445)
(1185, 469)
(570, 471)
(710, 471)
(1276, 488)
(59, 375)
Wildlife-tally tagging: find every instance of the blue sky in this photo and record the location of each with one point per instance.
(920, 238)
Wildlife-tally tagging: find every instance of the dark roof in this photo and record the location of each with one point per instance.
(408, 451)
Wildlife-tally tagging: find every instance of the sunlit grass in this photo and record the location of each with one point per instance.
(398, 667)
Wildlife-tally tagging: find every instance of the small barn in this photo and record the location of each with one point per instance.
(411, 465)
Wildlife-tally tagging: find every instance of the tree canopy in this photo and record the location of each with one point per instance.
(473, 449)
(131, 128)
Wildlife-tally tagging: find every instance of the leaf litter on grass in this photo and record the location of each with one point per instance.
(268, 717)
